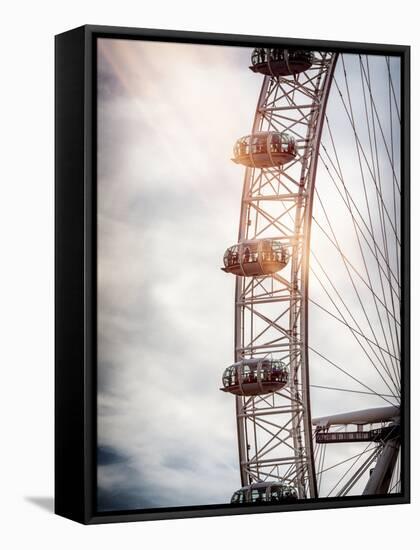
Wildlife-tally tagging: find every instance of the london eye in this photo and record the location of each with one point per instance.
(316, 371)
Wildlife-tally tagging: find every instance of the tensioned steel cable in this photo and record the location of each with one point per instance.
(349, 391)
(365, 465)
(378, 187)
(354, 205)
(375, 298)
(351, 315)
(339, 172)
(344, 461)
(353, 282)
(344, 371)
(379, 122)
(350, 264)
(390, 88)
(354, 320)
(339, 249)
(380, 204)
(350, 327)
(365, 158)
(387, 61)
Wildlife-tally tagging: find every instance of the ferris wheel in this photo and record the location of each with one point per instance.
(316, 372)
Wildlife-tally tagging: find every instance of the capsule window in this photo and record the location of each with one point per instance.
(236, 497)
(231, 256)
(276, 494)
(246, 374)
(258, 495)
(258, 56)
(276, 54)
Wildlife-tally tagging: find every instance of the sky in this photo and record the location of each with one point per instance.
(168, 207)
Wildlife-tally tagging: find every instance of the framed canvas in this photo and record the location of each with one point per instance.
(232, 274)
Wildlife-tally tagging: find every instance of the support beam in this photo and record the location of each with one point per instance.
(381, 476)
(365, 416)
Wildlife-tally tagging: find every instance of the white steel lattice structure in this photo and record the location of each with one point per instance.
(276, 437)
(271, 311)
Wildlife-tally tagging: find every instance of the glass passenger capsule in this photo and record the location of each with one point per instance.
(264, 149)
(264, 492)
(255, 377)
(280, 62)
(257, 257)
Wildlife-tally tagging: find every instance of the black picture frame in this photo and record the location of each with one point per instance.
(75, 272)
